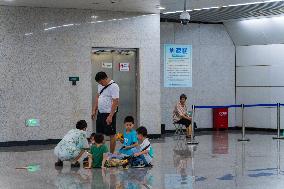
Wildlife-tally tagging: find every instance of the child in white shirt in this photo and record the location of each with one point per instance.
(145, 154)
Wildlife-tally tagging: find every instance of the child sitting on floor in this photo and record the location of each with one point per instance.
(144, 156)
(91, 143)
(97, 151)
(130, 140)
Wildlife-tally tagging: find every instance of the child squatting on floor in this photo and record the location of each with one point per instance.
(71, 147)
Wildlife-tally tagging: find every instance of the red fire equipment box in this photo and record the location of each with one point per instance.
(220, 118)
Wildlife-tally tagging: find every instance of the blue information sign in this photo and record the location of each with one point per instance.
(177, 65)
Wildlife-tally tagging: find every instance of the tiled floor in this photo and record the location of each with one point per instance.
(218, 162)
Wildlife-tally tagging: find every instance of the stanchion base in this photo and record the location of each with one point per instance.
(276, 138)
(244, 140)
(193, 142)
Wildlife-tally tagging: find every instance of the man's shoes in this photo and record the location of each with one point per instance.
(188, 137)
(59, 163)
(75, 165)
(149, 165)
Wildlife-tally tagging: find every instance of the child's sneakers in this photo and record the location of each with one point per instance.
(149, 165)
(139, 165)
(85, 162)
(59, 163)
(75, 165)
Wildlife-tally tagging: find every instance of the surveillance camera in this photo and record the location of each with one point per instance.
(184, 18)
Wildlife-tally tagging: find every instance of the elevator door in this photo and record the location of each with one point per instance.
(120, 65)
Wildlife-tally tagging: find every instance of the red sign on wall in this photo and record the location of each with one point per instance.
(124, 67)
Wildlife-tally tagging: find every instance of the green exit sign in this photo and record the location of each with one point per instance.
(32, 123)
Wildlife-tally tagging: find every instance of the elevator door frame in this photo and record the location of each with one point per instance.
(137, 78)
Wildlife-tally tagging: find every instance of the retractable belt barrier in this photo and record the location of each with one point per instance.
(238, 106)
(242, 106)
(229, 106)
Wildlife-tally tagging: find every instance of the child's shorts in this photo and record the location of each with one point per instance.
(139, 161)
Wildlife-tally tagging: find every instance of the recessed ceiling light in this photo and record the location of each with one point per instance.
(241, 4)
(169, 12)
(207, 8)
(114, 1)
(160, 7)
(66, 25)
(27, 34)
(268, 1)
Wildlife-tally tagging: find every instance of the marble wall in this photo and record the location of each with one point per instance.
(213, 70)
(42, 47)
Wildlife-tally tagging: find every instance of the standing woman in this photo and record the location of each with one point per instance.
(106, 103)
(180, 115)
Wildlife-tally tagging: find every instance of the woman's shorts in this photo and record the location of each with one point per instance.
(184, 122)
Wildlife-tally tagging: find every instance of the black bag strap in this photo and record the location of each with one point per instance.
(106, 87)
(145, 148)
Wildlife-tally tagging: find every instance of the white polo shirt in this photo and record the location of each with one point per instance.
(105, 99)
(149, 155)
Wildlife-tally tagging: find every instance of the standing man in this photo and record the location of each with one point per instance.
(106, 102)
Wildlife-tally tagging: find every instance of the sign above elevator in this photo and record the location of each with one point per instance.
(107, 65)
(124, 67)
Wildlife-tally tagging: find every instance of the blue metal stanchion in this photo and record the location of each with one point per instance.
(278, 158)
(192, 140)
(278, 123)
(243, 126)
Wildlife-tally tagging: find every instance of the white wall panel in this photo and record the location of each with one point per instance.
(260, 76)
(257, 31)
(260, 55)
(260, 65)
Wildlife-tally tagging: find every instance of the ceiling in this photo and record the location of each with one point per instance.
(263, 8)
(232, 12)
(143, 6)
